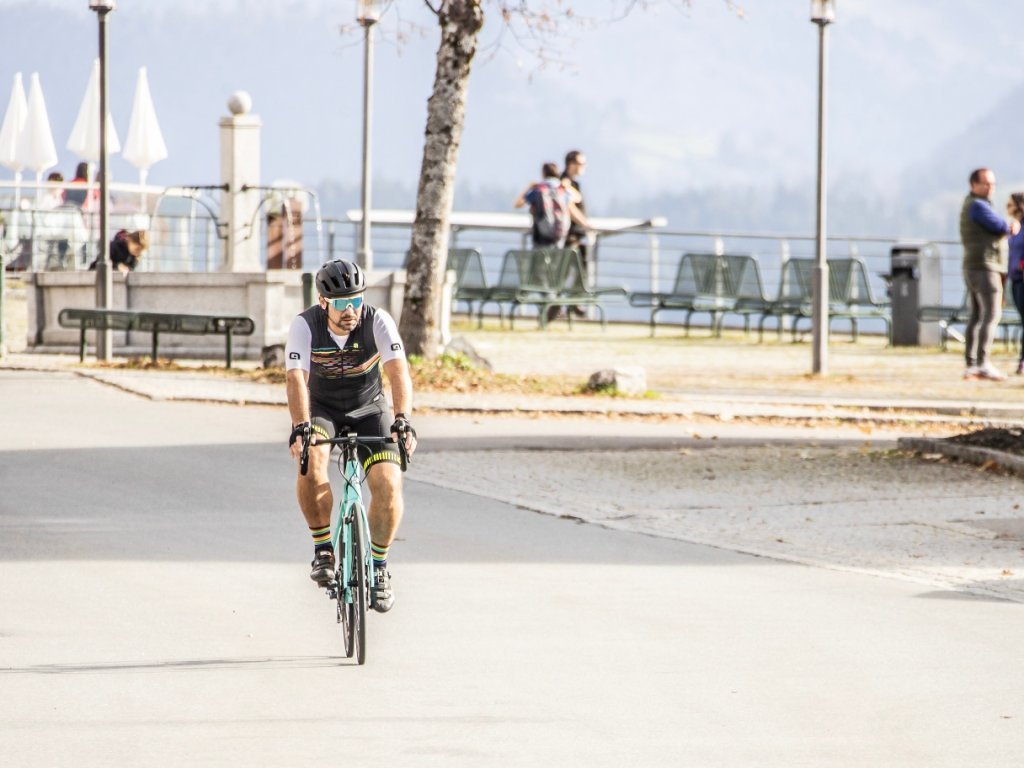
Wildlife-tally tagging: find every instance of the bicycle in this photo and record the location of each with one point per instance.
(354, 575)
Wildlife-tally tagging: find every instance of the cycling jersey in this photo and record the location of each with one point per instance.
(344, 370)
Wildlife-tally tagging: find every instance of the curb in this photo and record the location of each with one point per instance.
(968, 453)
(701, 407)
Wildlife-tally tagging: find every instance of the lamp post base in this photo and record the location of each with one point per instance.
(819, 318)
(104, 289)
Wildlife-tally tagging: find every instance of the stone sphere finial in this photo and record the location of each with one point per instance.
(240, 103)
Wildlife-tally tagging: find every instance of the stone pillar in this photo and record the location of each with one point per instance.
(240, 167)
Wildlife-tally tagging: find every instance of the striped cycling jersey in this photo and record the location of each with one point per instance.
(344, 371)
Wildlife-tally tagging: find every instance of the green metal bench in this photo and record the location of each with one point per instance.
(155, 323)
(850, 296)
(704, 282)
(470, 279)
(544, 277)
(947, 315)
(745, 286)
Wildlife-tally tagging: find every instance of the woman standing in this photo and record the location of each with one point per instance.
(1015, 208)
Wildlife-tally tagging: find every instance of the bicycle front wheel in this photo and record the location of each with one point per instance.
(360, 589)
(346, 592)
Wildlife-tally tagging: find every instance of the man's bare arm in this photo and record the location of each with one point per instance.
(397, 372)
(578, 216)
(296, 382)
(298, 401)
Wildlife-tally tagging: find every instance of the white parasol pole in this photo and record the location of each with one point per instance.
(16, 213)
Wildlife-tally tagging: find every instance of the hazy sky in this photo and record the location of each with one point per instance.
(665, 99)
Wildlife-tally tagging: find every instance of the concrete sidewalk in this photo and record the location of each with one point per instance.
(691, 376)
(807, 450)
(726, 379)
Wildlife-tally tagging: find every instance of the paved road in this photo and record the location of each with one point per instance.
(155, 610)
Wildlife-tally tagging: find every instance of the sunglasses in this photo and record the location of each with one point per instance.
(356, 302)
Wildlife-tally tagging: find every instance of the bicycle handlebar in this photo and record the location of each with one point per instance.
(349, 438)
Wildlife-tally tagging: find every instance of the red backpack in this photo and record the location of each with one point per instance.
(551, 212)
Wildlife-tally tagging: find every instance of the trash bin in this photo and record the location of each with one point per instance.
(915, 281)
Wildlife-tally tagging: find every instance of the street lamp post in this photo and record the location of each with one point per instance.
(823, 13)
(367, 14)
(104, 281)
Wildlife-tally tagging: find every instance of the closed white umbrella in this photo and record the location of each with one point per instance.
(84, 140)
(10, 133)
(35, 149)
(10, 130)
(145, 143)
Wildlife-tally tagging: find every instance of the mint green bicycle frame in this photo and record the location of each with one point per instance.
(352, 511)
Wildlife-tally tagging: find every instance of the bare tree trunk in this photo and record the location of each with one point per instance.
(460, 22)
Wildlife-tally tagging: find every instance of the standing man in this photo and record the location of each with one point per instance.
(575, 165)
(982, 233)
(334, 356)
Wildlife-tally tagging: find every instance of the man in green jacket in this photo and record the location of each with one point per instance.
(983, 235)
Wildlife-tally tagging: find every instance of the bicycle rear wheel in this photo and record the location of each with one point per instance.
(360, 589)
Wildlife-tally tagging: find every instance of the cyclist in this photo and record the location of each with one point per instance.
(333, 359)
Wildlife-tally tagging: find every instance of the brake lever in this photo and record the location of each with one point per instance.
(403, 452)
(304, 457)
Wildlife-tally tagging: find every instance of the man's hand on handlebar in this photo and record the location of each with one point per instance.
(402, 430)
(300, 434)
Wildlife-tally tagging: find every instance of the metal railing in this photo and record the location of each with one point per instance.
(185, 236)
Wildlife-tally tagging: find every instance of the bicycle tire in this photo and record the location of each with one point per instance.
(360, 591)
(346, 607)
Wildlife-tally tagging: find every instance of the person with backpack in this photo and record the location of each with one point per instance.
(554, 211)
(551, 207)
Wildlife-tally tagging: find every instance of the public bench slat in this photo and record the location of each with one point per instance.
(155, 323)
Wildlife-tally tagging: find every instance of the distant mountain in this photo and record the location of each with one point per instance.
(694, 114)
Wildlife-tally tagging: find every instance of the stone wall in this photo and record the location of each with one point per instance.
(271, 299)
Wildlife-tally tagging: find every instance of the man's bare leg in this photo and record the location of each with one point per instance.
(385, 514)
(313, 491)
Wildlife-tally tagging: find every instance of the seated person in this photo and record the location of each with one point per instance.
(126, 249)
(76, 196)
(52, 198)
